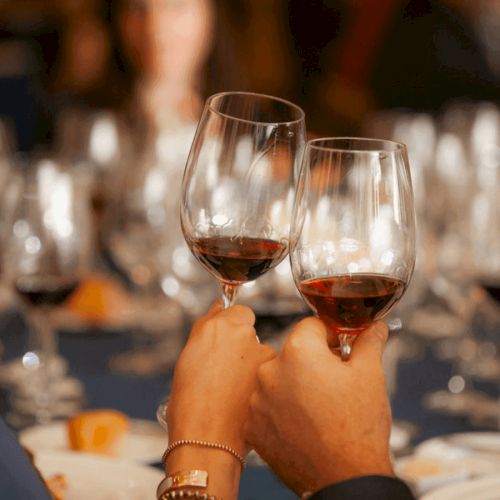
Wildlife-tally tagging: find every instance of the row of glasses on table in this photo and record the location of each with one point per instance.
(455, 159)
(132, 228)
(343, 209)
(136, 174)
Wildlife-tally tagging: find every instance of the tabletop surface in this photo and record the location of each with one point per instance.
(89, 354)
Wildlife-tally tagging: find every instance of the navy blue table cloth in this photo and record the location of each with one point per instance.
(89, 353)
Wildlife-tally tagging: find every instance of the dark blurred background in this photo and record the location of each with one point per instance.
(339, 59)
(111, 91)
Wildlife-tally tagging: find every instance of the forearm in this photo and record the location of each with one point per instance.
(223, 469)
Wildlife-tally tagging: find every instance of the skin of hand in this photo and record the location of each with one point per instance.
(317, 420)
(213, 381)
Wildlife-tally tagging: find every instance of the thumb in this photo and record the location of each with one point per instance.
(215, 308)
(370, 344)
(308, 332)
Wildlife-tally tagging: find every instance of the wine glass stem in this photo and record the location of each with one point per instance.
(345, 342)
(229, 293)
(44, 343)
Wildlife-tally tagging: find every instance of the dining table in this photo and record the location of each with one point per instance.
(89, 352)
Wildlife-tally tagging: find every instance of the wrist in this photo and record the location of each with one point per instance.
(223, 469)
(207, 432)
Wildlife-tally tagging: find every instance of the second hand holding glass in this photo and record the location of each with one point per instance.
(354, 233)
(239, 186)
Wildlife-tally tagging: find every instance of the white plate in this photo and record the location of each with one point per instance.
(485, 488)
(96, 478)
(145, 442)
(458, 445)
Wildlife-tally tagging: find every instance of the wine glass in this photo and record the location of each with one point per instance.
(238, 188)
(353, 233)
(239, 185)
(47, 248)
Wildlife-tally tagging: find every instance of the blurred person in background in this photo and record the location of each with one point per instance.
(382, 54)
(80, 71)
(161, 47)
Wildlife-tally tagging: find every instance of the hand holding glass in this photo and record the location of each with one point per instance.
(354, 233)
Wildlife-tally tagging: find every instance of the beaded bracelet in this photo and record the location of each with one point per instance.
(203, 444)
(172, 494)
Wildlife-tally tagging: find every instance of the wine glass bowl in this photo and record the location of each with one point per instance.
(239, 186)
(46, 254)
(354, 232)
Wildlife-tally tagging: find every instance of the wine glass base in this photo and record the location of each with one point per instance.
(29, 407)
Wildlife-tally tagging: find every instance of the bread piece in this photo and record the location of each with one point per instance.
(98, 299)
(99, 431)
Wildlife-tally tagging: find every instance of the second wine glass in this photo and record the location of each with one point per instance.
(354, 227)
(239, 186)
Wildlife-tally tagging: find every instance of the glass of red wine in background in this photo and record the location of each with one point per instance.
(354, 233)
(239, 186)
(47, 249)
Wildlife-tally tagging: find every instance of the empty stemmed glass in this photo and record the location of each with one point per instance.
(239, 185)
(47, 248)
(353, 233)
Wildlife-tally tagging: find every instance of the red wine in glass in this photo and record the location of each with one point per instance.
(39, 293)
(238, 260)
(350, 303)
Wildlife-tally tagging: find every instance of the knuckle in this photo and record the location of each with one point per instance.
(243, 313)
(215, 324)
(264, 373)
(294, 343)
(254, 402)
(198, 325)
(381, 330)
(268, 352)
(307, 324)
(246, 332)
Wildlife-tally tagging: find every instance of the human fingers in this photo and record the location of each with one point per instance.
(370, 344)
(238, 314)
(214, 309)
(258, 402)
(267, 353)
(306, 334)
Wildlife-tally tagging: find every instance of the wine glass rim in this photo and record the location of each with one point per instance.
(297, 108)
(329, 145)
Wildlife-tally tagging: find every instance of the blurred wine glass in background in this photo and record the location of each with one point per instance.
(143, 238)
(46, 255)
(418, 132)
(484, 230)
(99, 143)
(464, 148)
